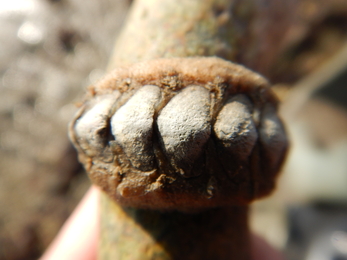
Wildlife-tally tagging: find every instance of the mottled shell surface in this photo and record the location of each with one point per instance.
(182, 133)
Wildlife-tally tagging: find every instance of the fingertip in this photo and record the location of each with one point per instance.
(78, 237)
(261, 250)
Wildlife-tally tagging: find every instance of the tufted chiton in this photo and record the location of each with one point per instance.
(181, 133)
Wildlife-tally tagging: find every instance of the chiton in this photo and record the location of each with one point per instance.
(181, 133)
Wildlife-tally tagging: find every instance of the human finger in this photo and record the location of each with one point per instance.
(77, 239)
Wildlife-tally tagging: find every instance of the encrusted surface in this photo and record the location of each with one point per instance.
(180, 134)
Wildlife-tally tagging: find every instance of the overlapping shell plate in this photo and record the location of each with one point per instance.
(180, 134)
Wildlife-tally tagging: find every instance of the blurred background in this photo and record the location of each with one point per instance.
(50, 50)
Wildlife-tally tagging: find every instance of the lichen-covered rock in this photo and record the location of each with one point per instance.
(181, 134)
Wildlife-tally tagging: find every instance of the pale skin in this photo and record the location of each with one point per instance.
(78, 238)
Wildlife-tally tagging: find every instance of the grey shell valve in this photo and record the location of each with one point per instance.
(184, 126)
(132, 126)
(198, 142)
(92, 127)
(235, 127)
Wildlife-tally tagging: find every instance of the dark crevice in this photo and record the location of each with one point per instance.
(68, 39)
(218, 10)
(160, 158)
